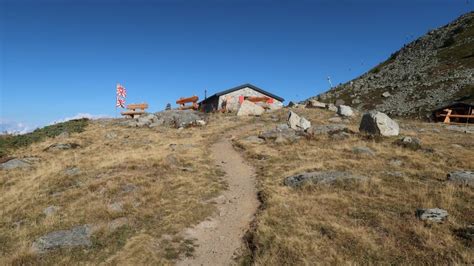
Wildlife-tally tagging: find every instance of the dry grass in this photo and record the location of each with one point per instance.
(363, 223)
(170, 174)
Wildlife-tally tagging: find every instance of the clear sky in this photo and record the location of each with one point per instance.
(61, 58)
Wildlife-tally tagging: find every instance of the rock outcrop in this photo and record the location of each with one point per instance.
(296, 122)
(248, 108)
(432, 71)
(320, 177)
(378, 123)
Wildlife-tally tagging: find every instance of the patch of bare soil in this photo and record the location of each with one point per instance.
(220, 237)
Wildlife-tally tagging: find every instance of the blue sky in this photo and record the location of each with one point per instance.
(61, 58)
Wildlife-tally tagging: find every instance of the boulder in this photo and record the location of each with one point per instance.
(315, 104)
(320, 177)
(409, 142)
(111, 135)
(72, 171)
(296, 122)
(462, 177)
(332, 107)
(76, 236)
(282, 134)
(50, 210)
(344, 110)
(178, 118)
(248, 108)
(433, 215)
(325, 129)
(62, 146)
(463, 129)
(363, 151)
(378, 123)
(386, 94)
(15, 164)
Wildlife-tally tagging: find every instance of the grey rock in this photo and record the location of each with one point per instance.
(128, 188)
(62, 146)
(336, 119)
(115, 207)
(315, 104)
(462, 129)
(341, 135)
(248, 108)
(409, 142)
(254, 139)
(283, 135)
(75, 237)
(296, 122)
(332, 107)
(15, 164)
(395, 162)
(378, 123)
(462, 177)
(72, 171)
(156, 123)
(50, 210)
(180, 118)
(320, 177)
(344, 110)
(111, 135)
(117, 223)
(363, 151)
(386, 94)
(325, 129)
(433, 215)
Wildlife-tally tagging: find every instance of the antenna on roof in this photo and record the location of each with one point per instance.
(330, 83)
(205, 94)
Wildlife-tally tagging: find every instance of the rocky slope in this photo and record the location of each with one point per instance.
(434, 70)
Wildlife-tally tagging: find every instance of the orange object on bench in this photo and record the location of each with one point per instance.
(448, 116)
(132, 109)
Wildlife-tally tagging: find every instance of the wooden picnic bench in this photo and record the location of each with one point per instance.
(135, 109)
(193, 100)
(449, 115)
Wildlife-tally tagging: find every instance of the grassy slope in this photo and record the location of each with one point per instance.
(167, 197)
(371, 222)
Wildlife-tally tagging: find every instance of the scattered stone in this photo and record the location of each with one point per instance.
(344, 110)
(72, 171)
(111, 135)
(50, 210)
(320, 177)
(315, 104)
(62, 146)
(129, 188)
(326, 129)
(15, 164)
(336, 119)
(248, 108)
(341, 135)
(466, 233)
(254, 139)
(156, 123)
(462, 177)
(409, 142)
(363, 151)
(395, 162)
(117, 223)
(332, 107)
(463, 129)
(279, 133)
(296, 122)
(115, 207)
(432, 215)
(378, 123)
(386, 94)
(76, 236)
(200, 123)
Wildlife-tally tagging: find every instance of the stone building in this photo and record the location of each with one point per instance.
(230, 100)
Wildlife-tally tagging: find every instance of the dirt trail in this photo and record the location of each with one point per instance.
(219, 237)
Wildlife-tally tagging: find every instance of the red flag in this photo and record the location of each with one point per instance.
(121, 91)
(120, 103)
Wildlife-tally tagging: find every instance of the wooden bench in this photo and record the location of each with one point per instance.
(132, 109)
(193, 100)
(448, 116)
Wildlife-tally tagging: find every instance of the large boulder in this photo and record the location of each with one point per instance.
(344, 110)
(249, 108)
(320, 177)
(409, 143)
(280, 134)
(15, 164)
(296, 122)
(378, 123)
(462, 177)
(76, 236)
(178, 118)
(326, 129)
(315, 104)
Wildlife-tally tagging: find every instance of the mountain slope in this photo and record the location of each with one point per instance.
(434, 70)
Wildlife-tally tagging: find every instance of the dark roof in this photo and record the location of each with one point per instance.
(467, 102)
(244, 86)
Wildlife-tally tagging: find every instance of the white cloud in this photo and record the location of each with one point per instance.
(12, 127)
(79, 116)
